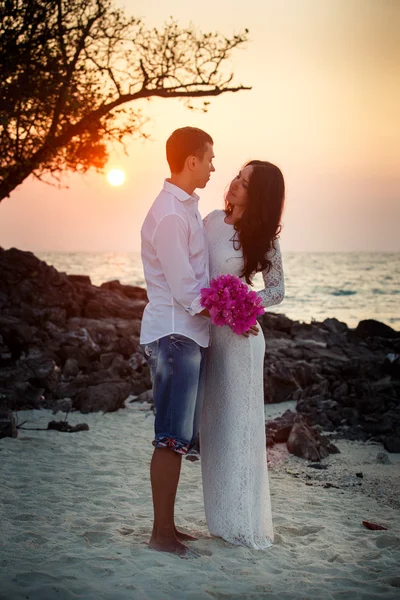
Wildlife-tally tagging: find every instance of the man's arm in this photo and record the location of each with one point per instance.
(170, 241)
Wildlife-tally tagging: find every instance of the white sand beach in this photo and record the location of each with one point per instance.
(76, 515)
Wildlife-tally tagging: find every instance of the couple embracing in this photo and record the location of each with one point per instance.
(205, 378)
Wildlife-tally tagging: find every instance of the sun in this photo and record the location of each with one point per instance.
(116, 177)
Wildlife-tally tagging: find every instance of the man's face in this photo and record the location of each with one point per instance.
(204, 167)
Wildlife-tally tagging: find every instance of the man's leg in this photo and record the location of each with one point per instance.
(165, 465)
(164, 473)
(175, 374)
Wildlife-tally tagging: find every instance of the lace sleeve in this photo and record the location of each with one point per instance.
(274, 290)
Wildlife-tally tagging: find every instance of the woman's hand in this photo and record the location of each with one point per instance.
(254, 329)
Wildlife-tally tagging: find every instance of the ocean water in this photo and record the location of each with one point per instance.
(349, 286)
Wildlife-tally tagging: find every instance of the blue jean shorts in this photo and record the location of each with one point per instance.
(177, 367)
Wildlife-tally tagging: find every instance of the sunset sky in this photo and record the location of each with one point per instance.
(324, 107)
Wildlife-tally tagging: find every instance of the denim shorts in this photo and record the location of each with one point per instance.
(177, 366)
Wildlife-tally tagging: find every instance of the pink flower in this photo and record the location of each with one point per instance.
(230, 302)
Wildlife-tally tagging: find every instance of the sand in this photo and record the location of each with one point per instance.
(76, 515)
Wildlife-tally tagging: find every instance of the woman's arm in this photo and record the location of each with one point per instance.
(274, 290)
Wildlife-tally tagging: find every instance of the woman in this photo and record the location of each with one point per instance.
(242, 240)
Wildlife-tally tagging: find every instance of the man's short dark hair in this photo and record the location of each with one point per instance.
(184, 142)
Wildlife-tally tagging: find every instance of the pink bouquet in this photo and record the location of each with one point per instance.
(230, 302)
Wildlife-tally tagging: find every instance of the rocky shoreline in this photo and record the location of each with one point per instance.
(66, 344)
(359, 468)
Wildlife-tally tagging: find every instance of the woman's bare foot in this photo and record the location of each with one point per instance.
(184, 537)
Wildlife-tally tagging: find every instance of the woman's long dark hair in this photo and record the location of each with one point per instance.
(260, 223)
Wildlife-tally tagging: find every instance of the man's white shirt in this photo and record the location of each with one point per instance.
(175, 263)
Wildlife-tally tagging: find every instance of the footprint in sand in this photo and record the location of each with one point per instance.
(125, 531)
(302, 530)
(387, 541)
(109, 519)
(95, 537)
(27, 517)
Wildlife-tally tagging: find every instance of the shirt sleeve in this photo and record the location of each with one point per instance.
(274, 290)
(171, 243)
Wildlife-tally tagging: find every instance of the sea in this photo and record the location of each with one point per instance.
(348, 286)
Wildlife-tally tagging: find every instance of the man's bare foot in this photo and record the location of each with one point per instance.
(169, 544)
(184, 537)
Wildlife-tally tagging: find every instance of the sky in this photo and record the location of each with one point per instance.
(324, 107)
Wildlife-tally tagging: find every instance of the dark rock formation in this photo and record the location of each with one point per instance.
(8, 426)
(67, 343)
(278, 430)
(307, 442)
(347, 381)
(62, 338)
(66, 427)
(301, 439)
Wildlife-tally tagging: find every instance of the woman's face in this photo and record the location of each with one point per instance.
(237, 193)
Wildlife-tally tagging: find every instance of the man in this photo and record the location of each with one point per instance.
(175, 328)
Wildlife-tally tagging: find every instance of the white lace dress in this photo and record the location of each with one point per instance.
(232, 433)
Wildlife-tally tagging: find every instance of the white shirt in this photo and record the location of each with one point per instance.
(175, 264)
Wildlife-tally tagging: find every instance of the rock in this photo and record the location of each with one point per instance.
(391, 443)
(126, 347)
(130, 291)
(62, 337)
(80, 279)
(30, 283)
(341, 390)
(50, 349)
(371, 328)
(104, 303)
(308, 443)
(146, 396)
(54, 315)
(382, 458)
(66, 427)
(283, 378)
(376, 423)
(20, 395)
(275, 322)
(308, 332)
(71, 368)
(5, 352)
(137, 361)
(107, 397)
(16, 335)
(335, 326)
(391, 364)
(278, 430)
(64, 405)
(8, 426)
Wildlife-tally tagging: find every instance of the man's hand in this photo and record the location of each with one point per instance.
(254, 329)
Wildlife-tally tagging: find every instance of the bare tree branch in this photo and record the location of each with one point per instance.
(71, 72)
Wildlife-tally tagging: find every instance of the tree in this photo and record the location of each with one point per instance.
(70, 71)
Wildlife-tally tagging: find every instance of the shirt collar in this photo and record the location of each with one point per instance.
(180, 194)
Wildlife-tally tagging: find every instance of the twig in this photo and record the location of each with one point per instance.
(33, 428)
